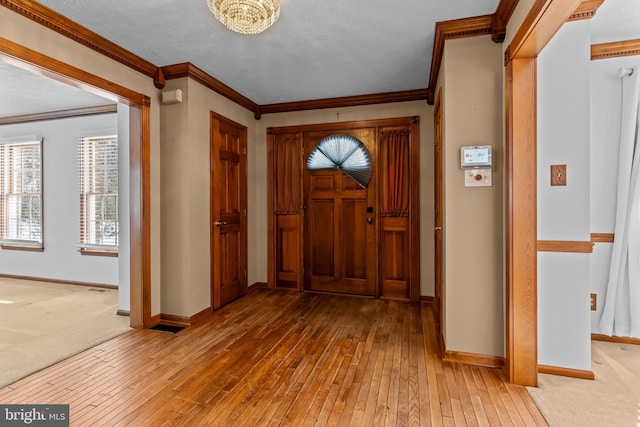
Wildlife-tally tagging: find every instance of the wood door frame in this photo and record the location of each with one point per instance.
(139, 162)
(438, 195)
(413, 123)
(244, 261)
(541, 23)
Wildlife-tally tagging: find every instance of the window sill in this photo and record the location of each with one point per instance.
(19, 247)
(98, 252)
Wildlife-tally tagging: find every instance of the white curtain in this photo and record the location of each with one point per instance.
(621, 312)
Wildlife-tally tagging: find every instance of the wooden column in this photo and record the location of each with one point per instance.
(540, 25)
(521, 229)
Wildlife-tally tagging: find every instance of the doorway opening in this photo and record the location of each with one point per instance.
(139, 162)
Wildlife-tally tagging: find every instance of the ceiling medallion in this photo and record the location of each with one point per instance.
(246, 16)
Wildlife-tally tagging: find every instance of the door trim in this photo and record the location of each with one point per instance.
(411, 123)
(438, 219)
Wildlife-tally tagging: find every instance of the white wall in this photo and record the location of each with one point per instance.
(606, 104)
(61, 214)
(563, 211)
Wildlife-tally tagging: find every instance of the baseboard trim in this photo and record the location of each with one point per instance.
(258, 285)
(68, 282)
(175, 320)
(621, 340)
(123, 313)
(566, 372)
(155, 320)
(427, 299)
(473, 359)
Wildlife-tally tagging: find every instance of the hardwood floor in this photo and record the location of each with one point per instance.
(276, 358)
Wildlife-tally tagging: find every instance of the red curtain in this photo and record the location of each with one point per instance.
(395, 168)
(287, 167)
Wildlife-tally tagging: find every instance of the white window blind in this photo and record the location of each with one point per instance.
(98, 180)
(21, 193)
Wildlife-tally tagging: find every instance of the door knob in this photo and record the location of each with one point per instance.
(370, 220)
(437, 228)
(219, 223)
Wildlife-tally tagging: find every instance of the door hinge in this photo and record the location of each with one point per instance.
(244, 150)
(245, 274)
(245, 211)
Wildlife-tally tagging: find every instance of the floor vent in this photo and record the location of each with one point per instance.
(96, 290)
(167, 328)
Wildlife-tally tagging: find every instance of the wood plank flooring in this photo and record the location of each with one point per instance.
(277, 358)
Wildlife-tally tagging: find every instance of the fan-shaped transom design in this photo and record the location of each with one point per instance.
(344, 153)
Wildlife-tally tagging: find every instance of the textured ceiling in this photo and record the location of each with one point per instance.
(24, 92)
(317, 49)
(616, 20)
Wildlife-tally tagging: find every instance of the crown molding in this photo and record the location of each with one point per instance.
(455, 29)
(76, 32)
(586, 10)
(60, 114)
(501, 19)
(467, 27)
(187, 69)
(345, 101)
(615, 49)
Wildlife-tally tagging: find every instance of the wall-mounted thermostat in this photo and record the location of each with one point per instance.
(476, 164)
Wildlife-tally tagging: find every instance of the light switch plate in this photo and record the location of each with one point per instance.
(558, 174)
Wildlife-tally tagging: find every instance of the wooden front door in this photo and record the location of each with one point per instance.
(438, 211)
(340, 245)
(228, 185)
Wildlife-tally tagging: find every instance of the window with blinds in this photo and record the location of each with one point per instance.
(21, 194)
(98, 180)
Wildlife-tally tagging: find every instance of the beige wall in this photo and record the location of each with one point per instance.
(258, 173)
(185, 186)
(37, 37)
(185, 129)
(180, 267)
(473, 217)
(519, 14)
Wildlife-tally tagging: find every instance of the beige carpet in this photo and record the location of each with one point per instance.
(43, 323)
(612, 399)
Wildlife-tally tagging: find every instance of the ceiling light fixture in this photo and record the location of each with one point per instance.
(246, 16)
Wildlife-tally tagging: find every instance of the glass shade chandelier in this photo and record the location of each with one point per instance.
(246, 16)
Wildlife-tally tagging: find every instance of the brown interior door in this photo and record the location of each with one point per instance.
(437, 193)
(340, 242)
(228, 210)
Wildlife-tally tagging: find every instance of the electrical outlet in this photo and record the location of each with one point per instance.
(594, 299)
